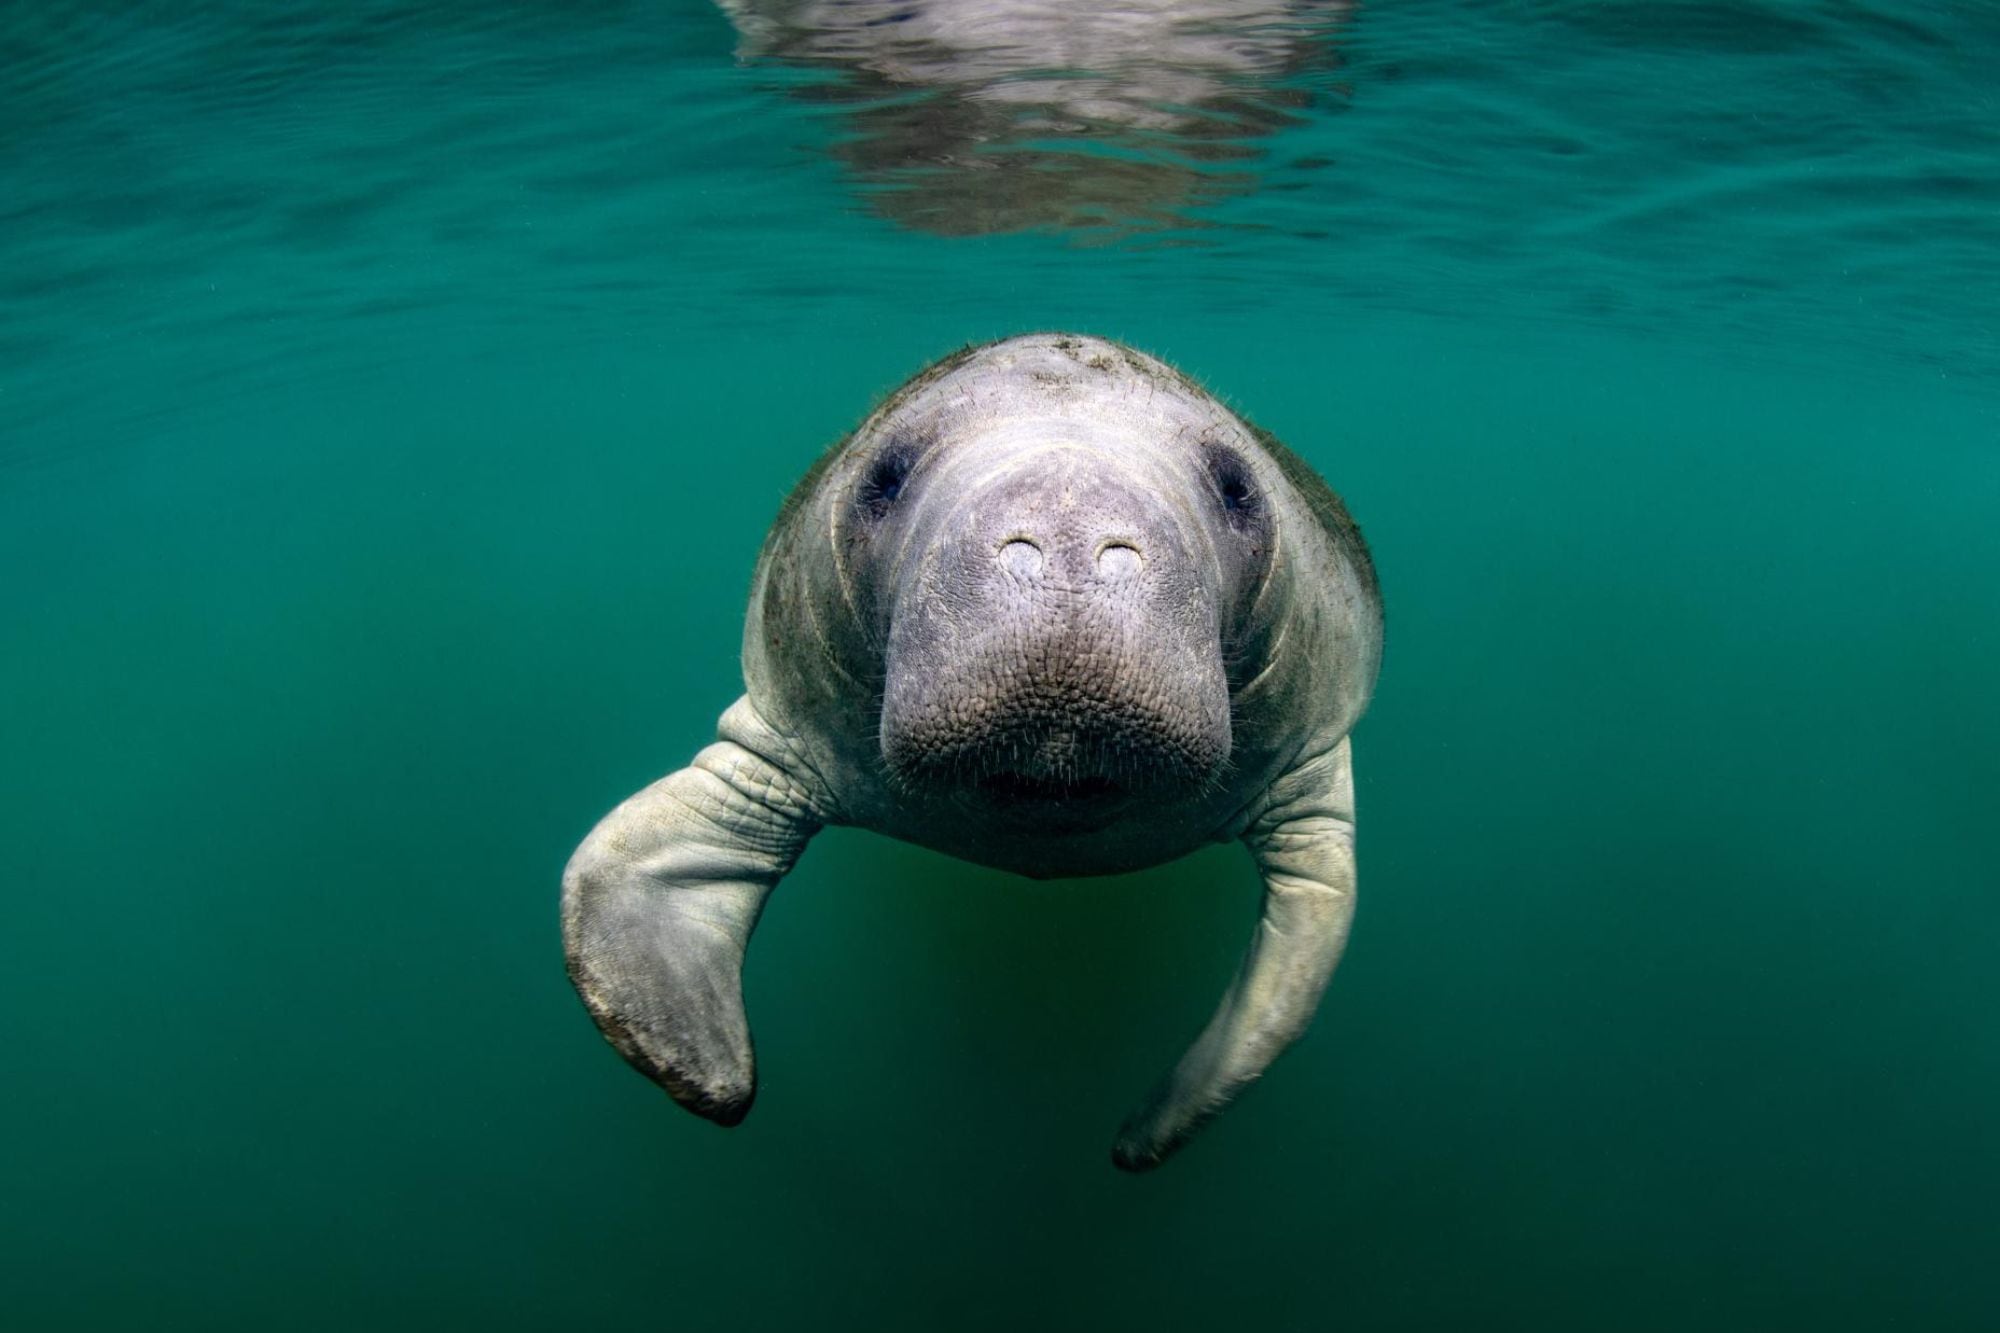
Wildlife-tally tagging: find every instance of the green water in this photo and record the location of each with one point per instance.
(391, 405)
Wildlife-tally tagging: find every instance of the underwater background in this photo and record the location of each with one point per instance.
(393, 399)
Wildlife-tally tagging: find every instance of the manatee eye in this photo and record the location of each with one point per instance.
(1235, 493)
(885, 478)
(1234, 483)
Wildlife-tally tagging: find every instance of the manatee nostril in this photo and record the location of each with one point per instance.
(1021, 558)
(1116, 560)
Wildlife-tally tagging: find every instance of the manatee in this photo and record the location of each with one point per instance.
(1051, 608)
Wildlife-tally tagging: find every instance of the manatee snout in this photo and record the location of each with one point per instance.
(1053, 640)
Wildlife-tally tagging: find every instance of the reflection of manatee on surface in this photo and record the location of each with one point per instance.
(978, 116)
(1051, 608)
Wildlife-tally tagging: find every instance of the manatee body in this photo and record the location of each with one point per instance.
(1051, 608)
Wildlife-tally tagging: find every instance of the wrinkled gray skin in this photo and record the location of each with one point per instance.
(1051, 608)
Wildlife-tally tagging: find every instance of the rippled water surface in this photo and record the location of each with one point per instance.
(392, 400)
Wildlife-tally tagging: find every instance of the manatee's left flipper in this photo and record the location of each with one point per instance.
(1304, 845)
(658, 906)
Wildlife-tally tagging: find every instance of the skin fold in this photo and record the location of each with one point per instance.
(1051, 608)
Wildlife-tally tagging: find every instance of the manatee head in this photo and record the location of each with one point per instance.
(1053, 545)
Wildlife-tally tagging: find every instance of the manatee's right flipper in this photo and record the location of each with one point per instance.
(1304, 845)
(658, 906)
